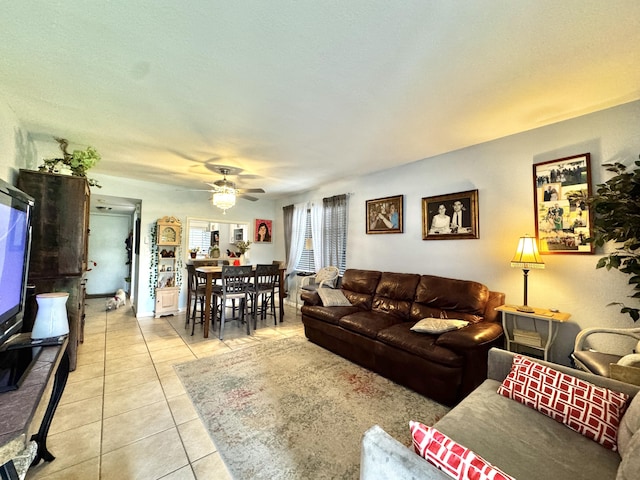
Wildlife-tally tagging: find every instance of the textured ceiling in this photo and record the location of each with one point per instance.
(302, 93)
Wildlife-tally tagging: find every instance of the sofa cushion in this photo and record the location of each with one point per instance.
(449, 456)
(438, 325)
(495, 427)
(395, 293)
(327, 314)
(593, 411)
(359, 286)
(333, 297)
(629, 425)
(435, 296)
(368, 323)
(422, 345)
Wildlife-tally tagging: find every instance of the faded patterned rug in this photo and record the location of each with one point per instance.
(289, 409)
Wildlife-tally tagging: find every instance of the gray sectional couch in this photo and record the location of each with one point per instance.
(515, 438)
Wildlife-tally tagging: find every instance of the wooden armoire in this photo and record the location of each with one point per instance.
(59, 242)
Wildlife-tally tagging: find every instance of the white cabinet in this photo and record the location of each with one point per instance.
(167, 285)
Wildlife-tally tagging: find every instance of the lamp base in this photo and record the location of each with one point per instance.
(525, 308)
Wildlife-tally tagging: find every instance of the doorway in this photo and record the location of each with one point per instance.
(113, 256)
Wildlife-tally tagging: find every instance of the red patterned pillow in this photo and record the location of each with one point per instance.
(593, 411)
(450, 457)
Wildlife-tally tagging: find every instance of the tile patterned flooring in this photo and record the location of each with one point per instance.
(124, 413)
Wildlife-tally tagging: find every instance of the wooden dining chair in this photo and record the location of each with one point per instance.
(236, 282)
(262, 292)
(195, 296)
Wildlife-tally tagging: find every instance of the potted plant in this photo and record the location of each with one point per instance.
(243, 248)
(77, 162)
(617, 219)
(194, 252)
(214, 251)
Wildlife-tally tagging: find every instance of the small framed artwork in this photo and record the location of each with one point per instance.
(563, 220)
(451, 217)
(263, 230)
(384, 215)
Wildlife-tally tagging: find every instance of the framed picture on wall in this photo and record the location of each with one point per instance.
(263, 230)
(384, 215)
(563, 219)
(451, 217)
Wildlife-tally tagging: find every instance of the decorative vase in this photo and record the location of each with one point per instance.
(243, 259)
(51, 318)
(215, 253)
(193, 254)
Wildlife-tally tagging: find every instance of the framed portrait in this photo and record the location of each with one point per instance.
(263, 231)
(385, 215)
(451, 217)
(563, 219)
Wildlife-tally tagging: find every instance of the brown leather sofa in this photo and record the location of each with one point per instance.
(375, 330)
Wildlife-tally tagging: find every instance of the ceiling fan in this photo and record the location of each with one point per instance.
(225, 191)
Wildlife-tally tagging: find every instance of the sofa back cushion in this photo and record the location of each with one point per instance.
(359, 286)
(442, 297)
(395, 293)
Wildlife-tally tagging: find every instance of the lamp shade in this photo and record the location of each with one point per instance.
(51, 319)
(224, 198)
(527, 255)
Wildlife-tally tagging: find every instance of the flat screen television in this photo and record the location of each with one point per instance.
(15, 243)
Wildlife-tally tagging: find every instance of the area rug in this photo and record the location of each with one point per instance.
(289, 409)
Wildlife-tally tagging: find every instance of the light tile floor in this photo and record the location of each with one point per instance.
(124, 413)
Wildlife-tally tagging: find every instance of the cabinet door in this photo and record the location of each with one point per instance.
(60, 223)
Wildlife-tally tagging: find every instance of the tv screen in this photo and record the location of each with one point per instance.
(15, 237)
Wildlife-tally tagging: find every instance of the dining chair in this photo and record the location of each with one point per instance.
(602, 363)
(236, 281)
(195, 295)
(262, 292)
(325, 276)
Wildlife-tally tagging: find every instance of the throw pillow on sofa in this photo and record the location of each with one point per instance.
(438, 325)
(333, 297)
(593, 411)
(452, 458)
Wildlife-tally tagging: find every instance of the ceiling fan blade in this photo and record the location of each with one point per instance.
(248, 197)
(250, 190)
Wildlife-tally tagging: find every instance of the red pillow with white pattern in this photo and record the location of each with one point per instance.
(450, 457)
(593, 411)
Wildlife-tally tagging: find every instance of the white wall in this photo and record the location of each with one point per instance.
(502, 172)
(16, 148)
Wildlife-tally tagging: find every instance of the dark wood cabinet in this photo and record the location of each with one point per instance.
(59, 242)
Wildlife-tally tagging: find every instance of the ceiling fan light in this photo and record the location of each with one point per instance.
(224, 199)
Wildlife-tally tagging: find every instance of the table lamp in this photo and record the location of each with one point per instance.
(51, 319)
(526, 257)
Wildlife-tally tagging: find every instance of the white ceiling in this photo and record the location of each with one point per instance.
(302, 93)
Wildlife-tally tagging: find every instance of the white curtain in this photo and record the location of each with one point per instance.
(316, 233)
(297, 235)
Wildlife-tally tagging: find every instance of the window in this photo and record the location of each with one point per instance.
(199, 235)
(306, 264)
(335, 219)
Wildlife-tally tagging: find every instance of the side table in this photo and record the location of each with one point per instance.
(541, 339)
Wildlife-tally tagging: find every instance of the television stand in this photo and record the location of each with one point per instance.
(19, 412)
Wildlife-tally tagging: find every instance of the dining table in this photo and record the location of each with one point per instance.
(212, 273)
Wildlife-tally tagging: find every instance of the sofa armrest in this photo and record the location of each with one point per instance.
(495, 300)
(383, 456)
(470, 336)
(310, 297)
